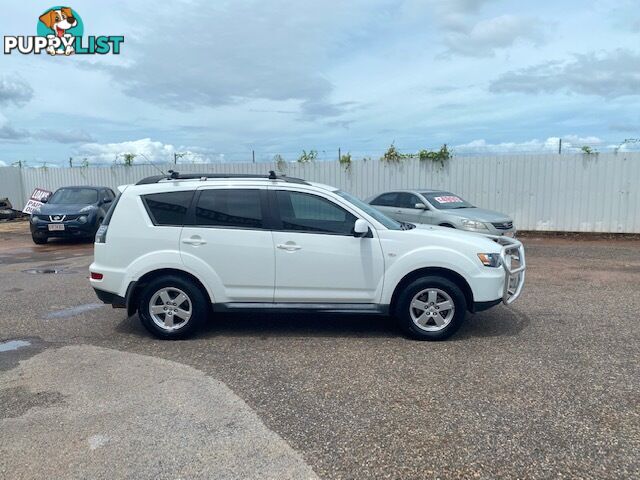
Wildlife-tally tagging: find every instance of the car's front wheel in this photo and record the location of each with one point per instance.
(39, 239)
(431, 308)
(172, 307)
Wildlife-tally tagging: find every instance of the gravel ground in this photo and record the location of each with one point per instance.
(548, 387)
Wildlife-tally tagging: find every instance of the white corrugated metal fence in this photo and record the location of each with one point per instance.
(582, 193)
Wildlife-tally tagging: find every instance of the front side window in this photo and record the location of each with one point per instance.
(168, 208)
(229, 208)
(74, 196)
(407, 200)
(304, 212)
(369, 210)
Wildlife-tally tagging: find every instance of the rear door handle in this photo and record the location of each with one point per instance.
(289, 246)
(195, 241)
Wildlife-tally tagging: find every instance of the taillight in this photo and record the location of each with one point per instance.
(96, 276)
(101, 234)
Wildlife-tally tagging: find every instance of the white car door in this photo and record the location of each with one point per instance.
(228, 243)
(407, 211)
(318, 259)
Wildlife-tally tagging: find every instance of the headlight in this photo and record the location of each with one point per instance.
(34, 218)
(82, 219)
(88, 208)
(473, 224)
(490, 259)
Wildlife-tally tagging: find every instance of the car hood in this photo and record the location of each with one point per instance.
(479, 214)
(57, 209)
(431, 234)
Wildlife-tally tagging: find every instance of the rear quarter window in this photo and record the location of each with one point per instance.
(168, 208)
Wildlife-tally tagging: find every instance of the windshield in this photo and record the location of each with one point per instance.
(446, 200)
(377, 214)
(74, 196)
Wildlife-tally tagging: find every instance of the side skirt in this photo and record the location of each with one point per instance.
(355, 308)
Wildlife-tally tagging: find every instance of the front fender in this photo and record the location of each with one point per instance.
(425, 257)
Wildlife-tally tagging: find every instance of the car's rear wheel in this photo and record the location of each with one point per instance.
(39, 239)
(172, 307)
(431, 308)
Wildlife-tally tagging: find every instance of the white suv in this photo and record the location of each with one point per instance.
(177, 248)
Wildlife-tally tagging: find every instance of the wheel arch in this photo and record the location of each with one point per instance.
(135, 288)
(450, 275)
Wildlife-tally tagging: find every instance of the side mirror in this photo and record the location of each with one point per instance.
(45, 200)
(420, 206)
(361, 228)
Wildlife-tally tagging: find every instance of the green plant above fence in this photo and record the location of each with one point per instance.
(439, 157)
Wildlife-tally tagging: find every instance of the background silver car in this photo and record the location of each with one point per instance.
(443, 208)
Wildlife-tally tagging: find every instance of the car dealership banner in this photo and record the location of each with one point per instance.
(36, 200)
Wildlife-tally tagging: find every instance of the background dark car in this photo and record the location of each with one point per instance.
(71, 212)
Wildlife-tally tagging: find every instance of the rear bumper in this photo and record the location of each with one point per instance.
(110, 298)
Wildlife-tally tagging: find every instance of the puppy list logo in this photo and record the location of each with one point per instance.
(60, 32)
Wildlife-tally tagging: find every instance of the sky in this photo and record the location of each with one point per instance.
(215, 80)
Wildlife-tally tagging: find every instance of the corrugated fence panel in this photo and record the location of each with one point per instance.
(587, 193)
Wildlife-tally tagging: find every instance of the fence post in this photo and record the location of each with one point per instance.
(339, 155)
(253, 155)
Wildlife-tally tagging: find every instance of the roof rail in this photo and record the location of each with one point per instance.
(202, 176)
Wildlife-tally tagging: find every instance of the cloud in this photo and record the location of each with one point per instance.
(486, 36)
(63, 136)
(12, 134)
(9, 133)
(145, 151)
(607, 74)
(229, 54)
(14, 90)
(570, 143)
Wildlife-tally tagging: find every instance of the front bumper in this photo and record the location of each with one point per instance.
(72, 228)
(514, 264)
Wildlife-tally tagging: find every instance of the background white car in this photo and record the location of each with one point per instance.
(438, 207)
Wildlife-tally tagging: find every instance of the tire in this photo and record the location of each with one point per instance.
(432, 293)
(170, 326)
(39, 239)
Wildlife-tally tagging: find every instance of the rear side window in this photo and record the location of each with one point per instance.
(229, 208)
(309, 213)
(168, 208)
(386, 200)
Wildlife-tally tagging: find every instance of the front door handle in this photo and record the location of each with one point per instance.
(195, 241)
(289, 246)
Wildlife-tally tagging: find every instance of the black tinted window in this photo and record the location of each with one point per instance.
(386, 200)
(406, 200)
(168, 208)
(310, 213)
(229, 208)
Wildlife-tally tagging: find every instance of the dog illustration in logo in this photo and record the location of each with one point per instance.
(59, 20)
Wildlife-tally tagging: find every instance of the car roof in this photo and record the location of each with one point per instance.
(414, 190)
(165, 184)
(90, 187)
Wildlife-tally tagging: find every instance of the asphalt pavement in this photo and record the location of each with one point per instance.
(545, 388)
